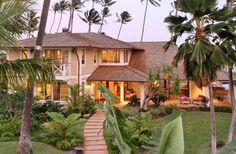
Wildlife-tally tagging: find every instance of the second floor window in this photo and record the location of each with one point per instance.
(126, 55)
(110, 56)
(83, 57)
(59, 56)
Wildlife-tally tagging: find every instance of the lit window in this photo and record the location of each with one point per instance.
(126, 55)
(59, 56)
(110, 56)
(94, 56)
(24, 55)
(83, 57)
(60, 91)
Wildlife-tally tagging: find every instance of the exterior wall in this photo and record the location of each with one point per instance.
(13, 55)
(194, 91)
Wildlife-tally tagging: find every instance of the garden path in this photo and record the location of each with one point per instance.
(94, 142)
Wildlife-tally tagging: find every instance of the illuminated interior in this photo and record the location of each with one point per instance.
(110, 56)
(56, 91)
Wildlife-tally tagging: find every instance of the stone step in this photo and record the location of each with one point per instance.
(93, 138)
(96, 142)
(96, 152)
(96, 147)
(93, 127)
(93, 134)
(95, 130)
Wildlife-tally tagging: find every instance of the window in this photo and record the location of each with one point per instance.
(24, 55)
(94, 56)
(126, 55)
(59, 56)
(57, 91)
(110, 56)
(83, 57)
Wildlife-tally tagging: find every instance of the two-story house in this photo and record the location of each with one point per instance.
(90, 59)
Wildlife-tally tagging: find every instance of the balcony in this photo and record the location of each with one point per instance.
(61, 69)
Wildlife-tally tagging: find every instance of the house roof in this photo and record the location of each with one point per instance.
(117, 73)
(154, 57)
(224, 76)
(66, 39)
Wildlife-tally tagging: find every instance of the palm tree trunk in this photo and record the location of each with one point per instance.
(72, 21)
(59, 22)
(144, 20)
(24, 146)
(53, 21)
(232, 98)
(100, 29)
(119, 30)
(69, 22)
(89, 24)
(213, 125)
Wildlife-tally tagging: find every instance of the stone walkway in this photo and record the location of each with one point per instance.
(93, 135)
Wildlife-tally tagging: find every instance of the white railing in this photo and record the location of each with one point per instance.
(61, 69)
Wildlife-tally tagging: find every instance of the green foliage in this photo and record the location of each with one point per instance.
(162, 111)
(39, 112)
(134, 100)
(8, 128)
(217, 109)
(11, 104)
(130, 111)
(80, 103)
(116, 121)
(172, 137)
(60, 132)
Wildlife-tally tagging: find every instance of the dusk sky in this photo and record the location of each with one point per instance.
(155, 29)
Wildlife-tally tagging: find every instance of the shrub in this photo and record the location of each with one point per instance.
(59, 132)
(39, 112)
(8, 128)
(134, 101)
(217, 109)
(162, 111)
(130, 111)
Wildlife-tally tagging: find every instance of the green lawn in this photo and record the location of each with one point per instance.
(38, 148)
(197, 130)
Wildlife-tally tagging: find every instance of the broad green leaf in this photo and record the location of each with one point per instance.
(172, 138)
(111, 98)
(229, 148)
(200, 51)
(219, 57)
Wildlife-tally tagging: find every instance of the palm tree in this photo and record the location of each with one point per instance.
(124, 18)
(32, 23)
(154, 3)
(95, 1)
(74, 5)
(91, 17)
(206, 45)
(105, 11)
(55, 8)
(24, 146)
(63, 5)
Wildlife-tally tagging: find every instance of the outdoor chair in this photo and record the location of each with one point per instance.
(184, 99)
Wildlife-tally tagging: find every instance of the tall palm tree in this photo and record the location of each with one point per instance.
(124, 18)
(74, 5)
(105, 11)
(231, 87)
(24, 146)
(91, 17)
(32, 23)
(206, 46)
(63, 5)
(154, 3)
(95, 1)
(55, 8)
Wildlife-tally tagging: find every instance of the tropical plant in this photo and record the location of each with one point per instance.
(154, 3)
(91, 17)
(116, 121)
(105, 11)
(167, 75)
(55, 8)
(123, 18)
(63, 5)
(171, 139)
(205, 51)
(73, 5)
(95, 1)
(61, 130)
(24, 146)
(32, 23)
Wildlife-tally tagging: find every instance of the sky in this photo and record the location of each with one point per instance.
(155, 28)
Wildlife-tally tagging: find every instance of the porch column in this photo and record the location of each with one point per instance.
(206, 91)
(122, 92)
(142, 93)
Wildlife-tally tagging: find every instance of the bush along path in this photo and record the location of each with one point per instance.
(94, 142)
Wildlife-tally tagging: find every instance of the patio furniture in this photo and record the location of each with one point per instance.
(184, 99)
(200, 100)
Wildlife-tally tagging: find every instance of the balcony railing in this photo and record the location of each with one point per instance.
(61, 69)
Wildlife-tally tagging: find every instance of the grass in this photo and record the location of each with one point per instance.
(197, 130)
(38, 148)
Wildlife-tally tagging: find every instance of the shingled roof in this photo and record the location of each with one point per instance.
(117, 73)
(154, 57)
(66, 39)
